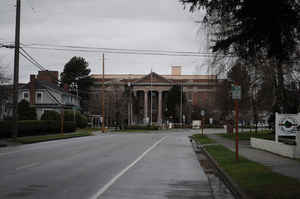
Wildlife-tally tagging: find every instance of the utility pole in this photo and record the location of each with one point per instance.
(16, 69)
(103, 93)
(151, 97)
(181, 90)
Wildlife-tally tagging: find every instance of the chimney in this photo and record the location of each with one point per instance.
(49, 76)
(32, 89)
(176, 70)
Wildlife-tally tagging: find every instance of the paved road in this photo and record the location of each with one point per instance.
(158, 165)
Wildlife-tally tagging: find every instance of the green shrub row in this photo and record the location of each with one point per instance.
(139, 127)
(80, 119)
(36, 127)
(213, 126)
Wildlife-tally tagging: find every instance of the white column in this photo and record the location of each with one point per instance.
(159, 107)
(145, 104)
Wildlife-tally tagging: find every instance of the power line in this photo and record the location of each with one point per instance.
(36, 62)
(112, 49)
(30, 59)
(124, 52)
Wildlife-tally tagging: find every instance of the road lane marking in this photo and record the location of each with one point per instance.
(114, 179)
(27, 166)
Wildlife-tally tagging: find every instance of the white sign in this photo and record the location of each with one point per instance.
(287, 124)
(202, 112)
(236, 92)
(196, 124)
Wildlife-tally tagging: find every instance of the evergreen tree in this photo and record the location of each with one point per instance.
(25, 112)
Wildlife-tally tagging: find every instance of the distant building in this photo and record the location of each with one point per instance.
(43, 93)
(199, 90)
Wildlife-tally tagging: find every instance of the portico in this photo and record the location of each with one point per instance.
(153, 104)
(154, 89)
(143, 99)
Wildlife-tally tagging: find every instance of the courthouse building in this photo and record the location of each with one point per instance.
(199, 90)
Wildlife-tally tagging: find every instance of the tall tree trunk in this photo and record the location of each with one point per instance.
(280, 91)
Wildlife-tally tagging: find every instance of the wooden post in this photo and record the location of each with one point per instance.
(202, 124)
(236, 129)
(62, 117)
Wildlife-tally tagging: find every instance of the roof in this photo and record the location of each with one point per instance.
(139, 76)
(45, 85)
(152, 77)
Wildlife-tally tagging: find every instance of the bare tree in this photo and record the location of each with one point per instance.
(4, 88)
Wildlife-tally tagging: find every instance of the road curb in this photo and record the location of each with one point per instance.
(231, 185)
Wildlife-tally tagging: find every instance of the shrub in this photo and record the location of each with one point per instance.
(25, 112)
(69, 127)
(138, 127)
(5, 128)
(81, 120)
(37, 127)
(51, 115)
(69, 115)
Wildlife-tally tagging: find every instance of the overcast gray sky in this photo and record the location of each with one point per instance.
(130, 24)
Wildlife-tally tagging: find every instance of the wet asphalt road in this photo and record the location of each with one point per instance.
(111, 166)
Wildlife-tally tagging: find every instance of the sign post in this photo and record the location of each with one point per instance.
(202, 122)
(236, 95)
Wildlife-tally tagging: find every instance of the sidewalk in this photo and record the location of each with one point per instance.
(279, 164)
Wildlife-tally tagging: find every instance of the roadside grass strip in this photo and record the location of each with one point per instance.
(256, 180)
(44, 138)
(202, 139)
(265, 134)
(88, 130)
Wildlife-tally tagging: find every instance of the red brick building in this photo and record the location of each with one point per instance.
(199, 91)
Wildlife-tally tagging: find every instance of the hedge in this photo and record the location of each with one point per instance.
(36, 127)
(137, 127)
(50, 115)
(81, 120)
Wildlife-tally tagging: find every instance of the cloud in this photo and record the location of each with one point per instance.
(134, 24)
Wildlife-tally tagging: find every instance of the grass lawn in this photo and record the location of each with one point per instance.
(88, 130)
(258, 181)
(264, 134)
(44, 138)
(202, 139)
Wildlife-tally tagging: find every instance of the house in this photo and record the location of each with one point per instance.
(43, 93)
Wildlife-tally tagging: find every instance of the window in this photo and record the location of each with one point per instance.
(199, 100)
(26, 96)
(190, 96)
(39, 97)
